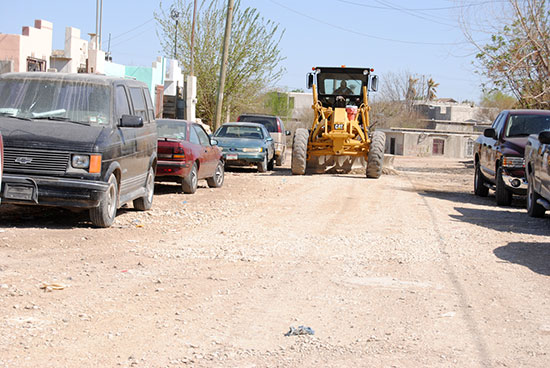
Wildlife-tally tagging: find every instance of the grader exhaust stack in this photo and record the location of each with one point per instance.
(340, 136)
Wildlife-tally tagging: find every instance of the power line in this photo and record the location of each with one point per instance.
(365, 34)
(419, 9)
(133, 29)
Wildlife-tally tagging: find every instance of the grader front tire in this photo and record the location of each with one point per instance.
(375, 158)
(299, 151)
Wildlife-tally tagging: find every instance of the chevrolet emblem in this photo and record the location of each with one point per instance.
(23, 160)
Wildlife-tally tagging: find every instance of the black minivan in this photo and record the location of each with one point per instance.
(77, 141)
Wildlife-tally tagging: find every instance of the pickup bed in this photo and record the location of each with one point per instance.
(499, 153)
(537, 164)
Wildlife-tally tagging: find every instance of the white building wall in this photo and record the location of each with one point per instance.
(36, 42)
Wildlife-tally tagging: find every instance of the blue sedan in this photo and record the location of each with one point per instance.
(246, 144)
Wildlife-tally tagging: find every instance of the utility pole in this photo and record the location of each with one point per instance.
(226, 38)
(191, 70)
(175, 15)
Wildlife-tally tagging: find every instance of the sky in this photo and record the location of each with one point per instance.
(392, 36)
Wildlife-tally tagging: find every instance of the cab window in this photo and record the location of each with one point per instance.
(121, 103)
(140, 109)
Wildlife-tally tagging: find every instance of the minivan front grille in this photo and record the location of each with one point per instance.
(30, 161)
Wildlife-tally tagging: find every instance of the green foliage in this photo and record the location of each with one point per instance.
(517, 59)
(496, 98)
(253, 60)
(278, 103)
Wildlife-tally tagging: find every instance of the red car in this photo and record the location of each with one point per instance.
(186, 154)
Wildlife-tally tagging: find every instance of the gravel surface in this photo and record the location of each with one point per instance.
(410, 270)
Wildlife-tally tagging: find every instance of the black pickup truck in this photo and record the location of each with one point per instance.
(537, 164)
(499, 153)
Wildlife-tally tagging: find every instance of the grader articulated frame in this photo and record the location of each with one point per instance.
(340, 136)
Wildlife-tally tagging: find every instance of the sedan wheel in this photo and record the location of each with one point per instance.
(216, 181)
(262, 166)
(190, 182)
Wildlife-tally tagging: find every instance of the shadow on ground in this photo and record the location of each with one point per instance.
(535, 256)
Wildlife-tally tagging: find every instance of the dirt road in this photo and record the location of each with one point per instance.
(411, 270)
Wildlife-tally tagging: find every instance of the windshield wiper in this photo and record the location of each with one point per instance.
(60, 118)
(7, 114)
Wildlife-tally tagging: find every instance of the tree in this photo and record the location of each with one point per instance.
(431, 90)
(517, 58)
(254, 55)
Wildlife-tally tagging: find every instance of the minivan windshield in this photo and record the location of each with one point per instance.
(44, 99)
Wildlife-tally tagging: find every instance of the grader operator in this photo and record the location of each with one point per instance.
(340, 136)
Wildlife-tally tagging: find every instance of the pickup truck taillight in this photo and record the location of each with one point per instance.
(178, 153)
(513, 162)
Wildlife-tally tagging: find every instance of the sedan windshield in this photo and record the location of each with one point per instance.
(57, 100)
(239, 131)
(524, 125)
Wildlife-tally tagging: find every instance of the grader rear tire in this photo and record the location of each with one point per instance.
(299, 151)
(375, 158)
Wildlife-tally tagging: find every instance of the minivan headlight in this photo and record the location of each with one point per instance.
(80, 161)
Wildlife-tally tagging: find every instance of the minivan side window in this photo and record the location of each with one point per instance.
(203, 137)
(121, 103)
(140, 109)
(150, 107)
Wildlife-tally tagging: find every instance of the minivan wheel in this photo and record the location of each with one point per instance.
(146, 202)
(190, 182)
(104, 214)
(217, 180)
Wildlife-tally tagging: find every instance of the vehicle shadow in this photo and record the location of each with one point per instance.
(467, 197)
(535, 256)
(503, 220)
(27, 217)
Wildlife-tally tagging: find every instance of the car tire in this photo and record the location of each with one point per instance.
(104, 214)
(299, 152)
(190, 182)
(533, 208)
(502, 194)
(479, 182)
(375, 159)
(216, 181)
(262, 166)
(271, 164)
(146, 202)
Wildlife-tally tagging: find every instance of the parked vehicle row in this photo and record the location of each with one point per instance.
(504, 151)
(91, 142)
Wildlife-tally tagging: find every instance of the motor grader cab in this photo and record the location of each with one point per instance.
(340, 136)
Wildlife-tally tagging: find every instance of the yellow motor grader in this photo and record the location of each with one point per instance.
(340, 137)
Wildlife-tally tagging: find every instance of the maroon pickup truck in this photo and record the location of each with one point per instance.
(537, 163)
(1, 160)
(499, 153)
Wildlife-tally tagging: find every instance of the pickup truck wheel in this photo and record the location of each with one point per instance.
(533, 208)
(146, 202)
(104, 214)
(299, 152)
(217, 180)
(502, 194)
(375, 158)
(479, 182)
(190, 182)
(262, 166)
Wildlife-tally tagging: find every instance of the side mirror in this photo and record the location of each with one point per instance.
(309, 80)
(269, 139)
(490, 133)
(374, 83)
(213, 142)
(544, 137)
(287, 132)
(131, 121)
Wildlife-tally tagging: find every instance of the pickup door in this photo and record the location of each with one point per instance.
(487, 150)
(543, 161)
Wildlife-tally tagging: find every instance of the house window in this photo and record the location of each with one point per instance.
(36, 65)
(470, 148)
(438, 147)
